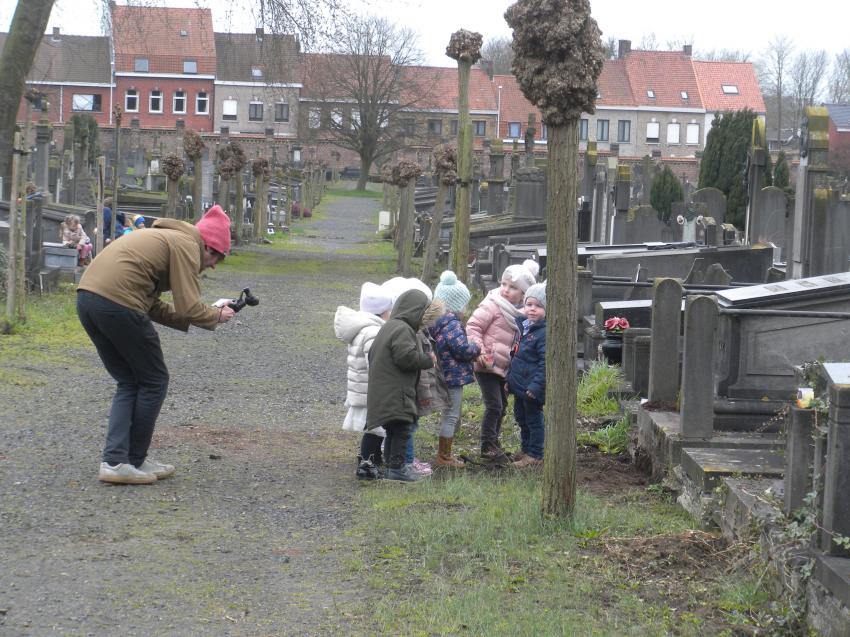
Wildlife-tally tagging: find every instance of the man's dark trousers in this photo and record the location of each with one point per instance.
(129, 347)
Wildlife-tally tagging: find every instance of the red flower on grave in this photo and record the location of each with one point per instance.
(616, 324)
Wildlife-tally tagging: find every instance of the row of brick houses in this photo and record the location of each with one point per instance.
(162, 65)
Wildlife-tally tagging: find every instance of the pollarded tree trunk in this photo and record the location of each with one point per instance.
(463, 203)
(238, 208)
(404, 230)
(197, 185)
(434, 233)
(559, 470)
(171, 201)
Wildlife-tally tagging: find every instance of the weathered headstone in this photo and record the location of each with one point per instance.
(715, 203)
(836, 513)
(666, 327)
(697, 407)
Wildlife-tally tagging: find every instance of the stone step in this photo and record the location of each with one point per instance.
(705, 467)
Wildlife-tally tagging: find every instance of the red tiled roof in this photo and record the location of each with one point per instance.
(667, 74)
(157, 34)
(440, 92)
(514, 106)
(712, 76)
(613, 85)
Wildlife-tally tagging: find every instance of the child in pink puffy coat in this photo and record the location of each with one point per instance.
(493, 327)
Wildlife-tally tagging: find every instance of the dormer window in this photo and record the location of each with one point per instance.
(183, 33)
(650, 93)
(140, 65)
(190, 67)
(257, 73)
(730, 89)
(684, 95)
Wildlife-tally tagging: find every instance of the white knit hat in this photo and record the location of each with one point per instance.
(374, 299)
(522, 275)
(397, 286)
(454, 294)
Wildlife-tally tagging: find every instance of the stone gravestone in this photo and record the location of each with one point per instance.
(830, 232)
(697, 408)
(666, 327)
(767, 218)
(530, 193)
(836, 485)
(496, 181)
(640, 225)
(715, 202)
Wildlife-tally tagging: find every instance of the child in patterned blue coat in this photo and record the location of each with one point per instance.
(456, 356)
(527, 377)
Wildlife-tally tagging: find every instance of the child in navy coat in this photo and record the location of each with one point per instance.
(527, 377)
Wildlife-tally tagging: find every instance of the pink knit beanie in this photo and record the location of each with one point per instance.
(215, 229)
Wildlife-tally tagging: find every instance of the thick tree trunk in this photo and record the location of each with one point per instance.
(559, 474)
(239, 212)
(434, 234)
(28, 25)
(197, 188)
(463, 203)
(363, 179)
(171, 202)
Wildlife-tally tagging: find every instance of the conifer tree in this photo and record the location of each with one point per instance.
(666, 189)
(780, 171)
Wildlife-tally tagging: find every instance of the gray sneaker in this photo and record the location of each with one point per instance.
(159, 469)
(405, 474)
(124, 473)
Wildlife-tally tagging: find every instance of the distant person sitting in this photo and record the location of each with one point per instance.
(107, 221)
(139, 223)
(74, 236)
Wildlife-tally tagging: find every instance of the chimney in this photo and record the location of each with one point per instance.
(624, 47)
(688, 49)
(55, 36)
(259, 34)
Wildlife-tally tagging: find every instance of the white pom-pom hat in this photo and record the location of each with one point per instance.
(522, 275)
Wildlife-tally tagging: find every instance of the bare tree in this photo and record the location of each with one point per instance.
(28, 25)
(773, 69)
(499, 52)
(839, 81)
(367, 86)
(648, 42)
(723, 55)
(806, 79)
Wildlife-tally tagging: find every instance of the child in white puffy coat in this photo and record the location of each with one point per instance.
(357, 329)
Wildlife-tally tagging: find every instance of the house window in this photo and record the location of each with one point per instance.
(229, 110)
(514, 129)
(255, 111)
(314, 117)
(435, 127)
(479, 127)
(730, 89)
(155, 102)
(336, 117)
(190, 67)
(131, 101)
(684, 95)
(650, 93)
(624, 130)
(602, 130)
(673, 133)
(355, 119)
(544, 131)
(86, 102)
(582, 130)
(140, 65)
(653, 132)
(202, 103)
(453, 127)
(179, 102)
(408, 127)
(281, 112)
(692, 133)
(256, 72)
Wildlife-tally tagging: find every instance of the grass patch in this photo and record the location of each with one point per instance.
(375, 248)
(472, 554)
(344, 192)
(611, 439)
(51, 326)
(594, 389)
(276, 263)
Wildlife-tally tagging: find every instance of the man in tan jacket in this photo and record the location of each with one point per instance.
(118, 299)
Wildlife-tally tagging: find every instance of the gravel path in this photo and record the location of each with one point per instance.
(250, 536)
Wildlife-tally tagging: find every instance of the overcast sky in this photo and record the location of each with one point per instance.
(721, 24)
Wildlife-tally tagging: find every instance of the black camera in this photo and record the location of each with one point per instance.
(245, 298)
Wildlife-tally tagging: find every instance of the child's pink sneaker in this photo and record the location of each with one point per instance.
(422, 468)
